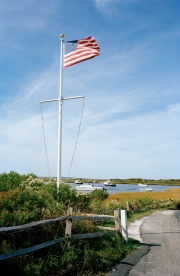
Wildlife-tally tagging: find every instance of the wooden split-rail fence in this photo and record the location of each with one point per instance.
(134, 207)
(68, 230)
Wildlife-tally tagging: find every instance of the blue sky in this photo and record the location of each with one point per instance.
(130, 125)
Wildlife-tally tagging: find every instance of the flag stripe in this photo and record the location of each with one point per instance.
(81, 54)
(80, 50)
(78, 59)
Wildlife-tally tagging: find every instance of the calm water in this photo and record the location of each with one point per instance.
(129, 188)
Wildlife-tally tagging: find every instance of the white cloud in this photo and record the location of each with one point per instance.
(101, 3)
(131, 113)
(174, 107)
(140, 143)
(115, 140)
(33, 14)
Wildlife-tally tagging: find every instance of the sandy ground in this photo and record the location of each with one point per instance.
(133, 229)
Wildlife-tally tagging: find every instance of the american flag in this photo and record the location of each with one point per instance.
(80, 50)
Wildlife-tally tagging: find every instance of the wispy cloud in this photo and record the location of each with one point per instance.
(34, 15)
(21, 136)
(134, 136)
(174, 107)
(131, 113)
(102, 3)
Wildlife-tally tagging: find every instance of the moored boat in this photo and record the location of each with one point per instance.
(144, 187)
(141, 184)
(146, 190)
(78, 181)
(110, 184)
(88, 187)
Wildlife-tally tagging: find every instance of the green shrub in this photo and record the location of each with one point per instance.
(143, 202)
(176, 205)
(25, 199)
(85, 257)
(32, 183)
(99, 195)
(112, 205)
(12, 180)
(67, 195)
(96, 199)
(83, 202)
(23, 206)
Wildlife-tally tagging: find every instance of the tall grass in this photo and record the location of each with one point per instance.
(173, 193)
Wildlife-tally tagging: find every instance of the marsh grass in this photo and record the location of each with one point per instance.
(145, 201)
(173, 193)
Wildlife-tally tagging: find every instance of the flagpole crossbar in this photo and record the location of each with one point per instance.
(46, 101)
(60, 100)
(56, 100)
(73, 98)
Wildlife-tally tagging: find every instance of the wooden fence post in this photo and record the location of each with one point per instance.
(68, 230)
(136, 208)
(131, 208)
(127, 206)
(155, 204)
(117, 219)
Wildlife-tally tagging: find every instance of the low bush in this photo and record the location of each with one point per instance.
(113, 204)
(176, 205)
(24, 199)
(12, 180)
(85, 257)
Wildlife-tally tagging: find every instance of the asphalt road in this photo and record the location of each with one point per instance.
(159, 254)
(161, 231)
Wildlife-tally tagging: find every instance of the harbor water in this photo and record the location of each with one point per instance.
(129, 187)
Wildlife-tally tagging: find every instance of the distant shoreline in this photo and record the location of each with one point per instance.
(132, 181)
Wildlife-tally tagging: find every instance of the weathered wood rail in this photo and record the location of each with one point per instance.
(133, 207)
(69, 219)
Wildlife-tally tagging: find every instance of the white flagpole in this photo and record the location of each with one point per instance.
(60, 111)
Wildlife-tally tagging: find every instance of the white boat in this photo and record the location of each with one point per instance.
(108, 183)
(146, 190)
(78, 181)
(144, 187)
(87, 187)
(141, 184)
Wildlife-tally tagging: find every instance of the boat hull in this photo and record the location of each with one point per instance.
(110, 185)
(87, 188)
(78, 182)
(146, 190)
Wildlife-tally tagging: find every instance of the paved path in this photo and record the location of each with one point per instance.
(159, 254)
(161, 231)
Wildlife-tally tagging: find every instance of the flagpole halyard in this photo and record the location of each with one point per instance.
(60, 111)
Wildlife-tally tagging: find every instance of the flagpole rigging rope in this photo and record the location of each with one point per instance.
(46, 154)
(76, 139)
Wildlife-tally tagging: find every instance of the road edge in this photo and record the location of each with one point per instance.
(124, 267)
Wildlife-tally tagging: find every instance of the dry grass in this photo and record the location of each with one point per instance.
(173, 193)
